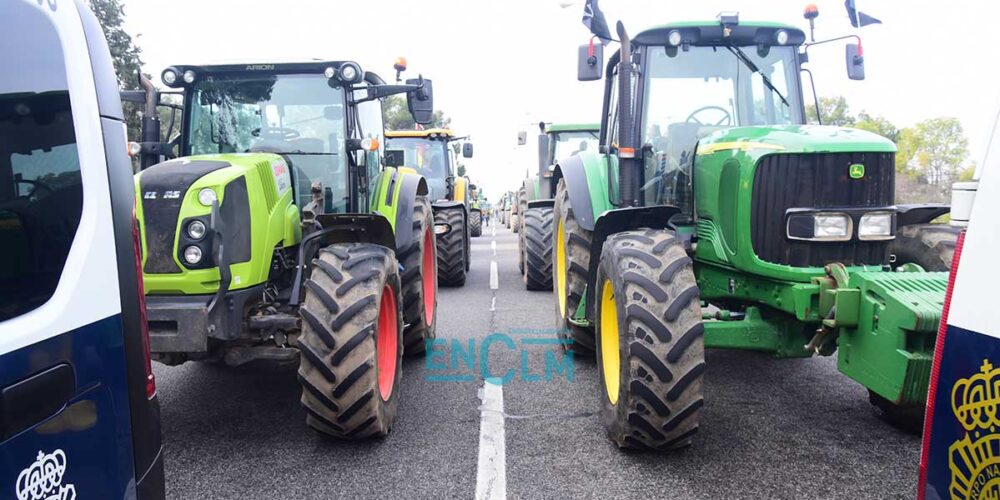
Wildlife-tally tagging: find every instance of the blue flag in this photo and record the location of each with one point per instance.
(594, 20)
(858, 18)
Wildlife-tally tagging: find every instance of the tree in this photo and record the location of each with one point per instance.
(941, 150)
(878, 125)
(835, 112)
(397, 115)
(461, 170)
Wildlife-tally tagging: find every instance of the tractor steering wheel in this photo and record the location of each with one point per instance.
(278, 133)
(726, 120)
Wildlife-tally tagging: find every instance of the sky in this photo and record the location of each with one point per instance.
(500, 67)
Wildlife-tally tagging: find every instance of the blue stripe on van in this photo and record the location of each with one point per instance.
(970, 362)
(94, 429)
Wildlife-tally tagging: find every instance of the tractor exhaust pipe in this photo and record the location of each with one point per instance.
(628, 163)
(150, 122)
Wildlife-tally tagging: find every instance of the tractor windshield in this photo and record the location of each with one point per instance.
(430, 158)
(566, 144)
(298, 116)
(691, 93)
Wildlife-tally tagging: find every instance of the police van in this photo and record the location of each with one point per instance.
(79, 417)
(960, 457)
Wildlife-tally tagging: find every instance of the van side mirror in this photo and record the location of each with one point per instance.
(421, 102)
(855, 62)
(589, 66)
(394, 157)
(467, 150)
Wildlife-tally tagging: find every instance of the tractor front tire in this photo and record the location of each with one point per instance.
(570, 265)
(515, 222)
(650, 342)
(537, 251)
(931, 246)
(475, 223)
(451, 258)
(419, 279)
(351, 347)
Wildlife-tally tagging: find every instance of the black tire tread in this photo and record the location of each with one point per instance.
(580, 340)
(537, 256)
(931, 246)
(419, 328)
(451, 257)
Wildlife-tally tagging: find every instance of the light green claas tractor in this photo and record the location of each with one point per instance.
(433, 153)
(711, 216)
(278, 234)
(537, 197)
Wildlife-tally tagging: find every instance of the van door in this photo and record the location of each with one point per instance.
(66, 421)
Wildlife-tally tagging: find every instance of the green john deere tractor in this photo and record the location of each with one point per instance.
(278, 234)
(538, 197)
(712, 216)
(427, 153)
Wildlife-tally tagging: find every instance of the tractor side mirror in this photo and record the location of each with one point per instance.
(421, 102)
(522, 138)
(590, 61)
(394, 157)
(467, 150)
(855, 62)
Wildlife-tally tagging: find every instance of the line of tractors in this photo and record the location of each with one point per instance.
(282, 222)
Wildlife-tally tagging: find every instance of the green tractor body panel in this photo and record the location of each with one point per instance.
(725, 167)
(254, 229)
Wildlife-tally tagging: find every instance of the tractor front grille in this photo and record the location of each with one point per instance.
(820, 181)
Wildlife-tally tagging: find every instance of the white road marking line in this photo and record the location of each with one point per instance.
(493, 246)
(493, 304)
(491, 475)
(494, 277)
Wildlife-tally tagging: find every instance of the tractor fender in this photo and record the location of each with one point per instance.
(616, 221)
(530, 189)
(542, 203)
(408, 186)
(586, 181)
(452, 205)
(356, 228)
(919, 213)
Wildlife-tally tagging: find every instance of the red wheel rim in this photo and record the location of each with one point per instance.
(387, 343)
(430, 277)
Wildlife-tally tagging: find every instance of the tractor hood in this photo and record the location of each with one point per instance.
(758, 141)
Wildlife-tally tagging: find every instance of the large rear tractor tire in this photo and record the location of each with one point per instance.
(537, 252)
(931, 246)
(515, 222)
(419, 279)
(650, 342)
(452, 257)
(351, 345)
(570, 265)
(475, 223)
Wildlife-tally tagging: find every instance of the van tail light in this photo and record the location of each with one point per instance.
(936, 368)
(143, 322)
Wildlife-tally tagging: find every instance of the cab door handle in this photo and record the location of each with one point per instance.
(31, 400)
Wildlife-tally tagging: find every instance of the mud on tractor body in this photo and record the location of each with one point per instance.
(537, 198)
(728, 223)
(276, 233)
(433, 155)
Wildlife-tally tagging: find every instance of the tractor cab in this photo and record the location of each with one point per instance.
(433, 154)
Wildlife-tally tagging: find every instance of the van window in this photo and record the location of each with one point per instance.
(41, 195)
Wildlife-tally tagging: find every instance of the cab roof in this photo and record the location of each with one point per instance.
(700, 33)
(571, 127)
(433, 133)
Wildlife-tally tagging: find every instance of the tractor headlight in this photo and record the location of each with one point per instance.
(330, 72)
(169, 77)
(442, 228)
(831, 227)
(674, 38)
(192, 255)
(781, 36)
(196, 230)
(819, 226)
(207, 196)
(189, 77)
(350, 72)
(875, 226)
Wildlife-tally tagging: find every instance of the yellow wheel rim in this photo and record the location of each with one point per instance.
(561, 268)
(610, 362)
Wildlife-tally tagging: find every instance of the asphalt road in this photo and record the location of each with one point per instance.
(770, 428)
